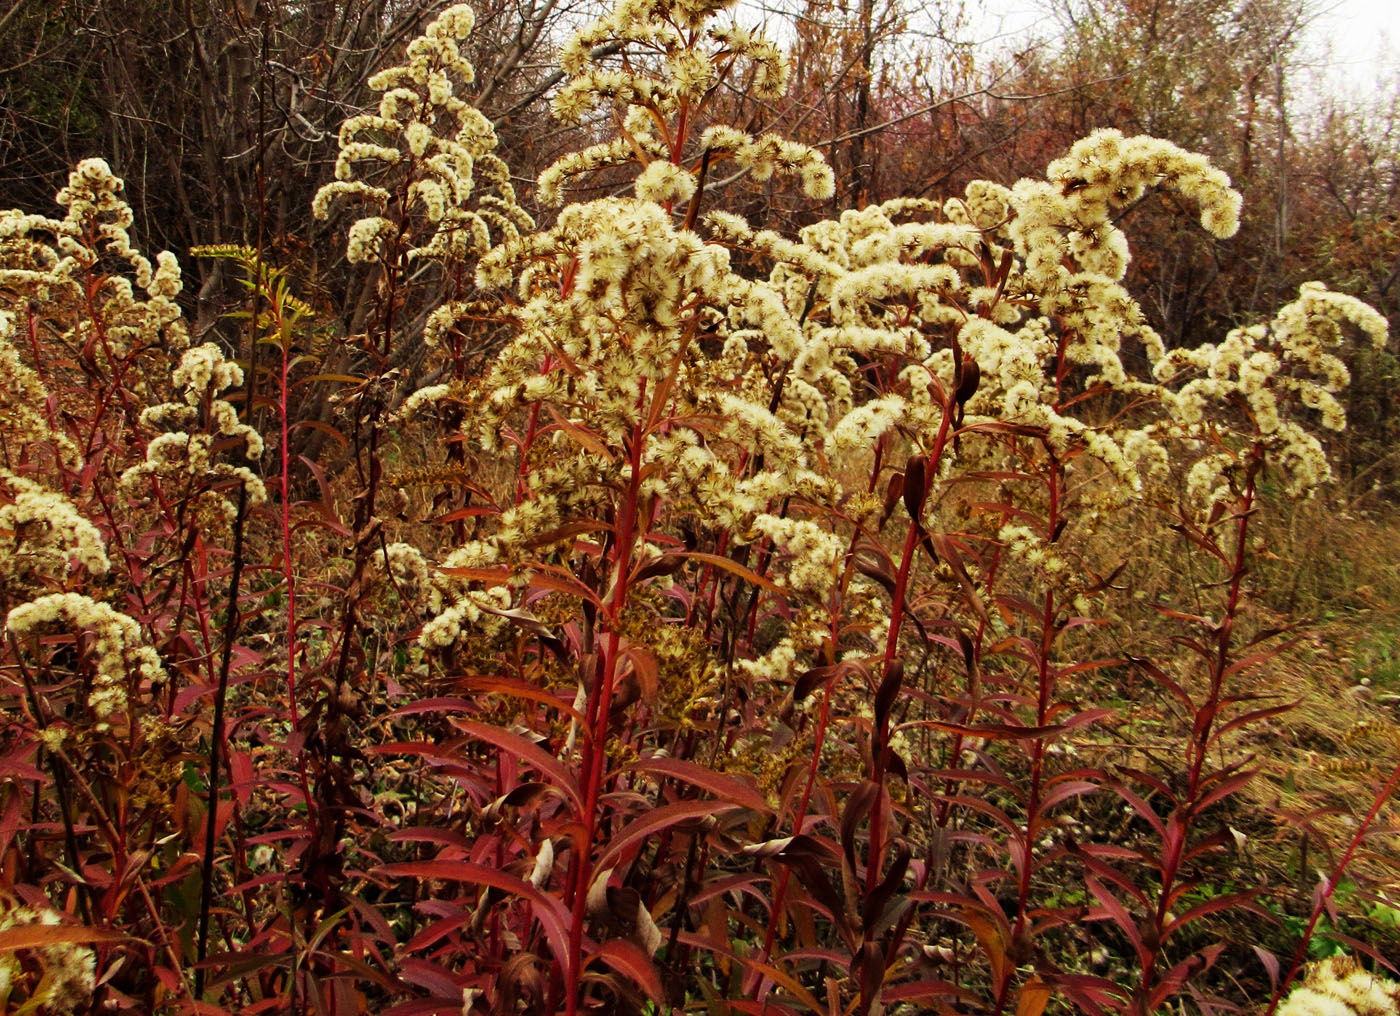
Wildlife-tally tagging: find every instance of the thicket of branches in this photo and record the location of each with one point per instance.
(669, 554)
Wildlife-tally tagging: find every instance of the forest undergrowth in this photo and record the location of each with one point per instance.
(651, 612)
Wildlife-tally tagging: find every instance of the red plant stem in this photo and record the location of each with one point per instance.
(1045, 686)
(133, 565)
(765, 557)
(1179, 825)
(527, 443)
(879, 746)
(945, 810)
(289, 577)
(285, 518)
(1330, 886)
(758, 983)
(296, 741)
(706, 575)
(92, 285)
(879, 742)
(595, 755)
(31, 331)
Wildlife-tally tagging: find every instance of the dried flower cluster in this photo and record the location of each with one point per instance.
(425, 161)
(611, 301)
(183, 458)
(122, 661)
(23, 397)
(1342, 987)
(58, 508)
(674, 61)
(1274, 370)
(46, 539)
(67, 972)
(54, 259)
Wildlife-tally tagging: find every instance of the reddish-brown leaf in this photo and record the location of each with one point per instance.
(550, 912)
(34, 936)
(526, 751)
(735, 568)
(628, 959)
(725, 787)
(1115, 910)
(653, 822)
(1033, 997)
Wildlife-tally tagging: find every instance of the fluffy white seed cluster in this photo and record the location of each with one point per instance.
(636, 291)
(57, 262)
(1031, 549)
(45, 539)
(68, 971)
(469, 610)
(203, 372)
(429, 144)
(663, 65)
(406, 570)
(184, 456)
(1341, 987)
(878, 286)
(1281, 371)
(868, 286)
(1069, 217)
(812, 554)
(769, 155)
(24, 426)
(608, 305)
(121, 659)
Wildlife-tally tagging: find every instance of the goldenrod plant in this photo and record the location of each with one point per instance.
(729, 635)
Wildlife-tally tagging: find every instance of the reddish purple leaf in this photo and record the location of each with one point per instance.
(1270, 962)
(629, 959)
(549, 911)
(1120, 916)
(1063, 791)
(526, 751)
(653, 822)
(723, 786)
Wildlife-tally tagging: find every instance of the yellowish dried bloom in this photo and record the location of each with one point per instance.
(1341, 987)
(1274, 368)
(1069, 215)
(406, 571)
(439, 146)
(184, 455)
(23, 423)
(812, 554)
(662, 182)
(691, 67)
(67, 971)
(44, 539)
(859, 430)
(121, 658)
(974, 311)
(60, 263)
(616, 291)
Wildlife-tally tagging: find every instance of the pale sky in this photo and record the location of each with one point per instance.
(1352, 42)
(1364, 37)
